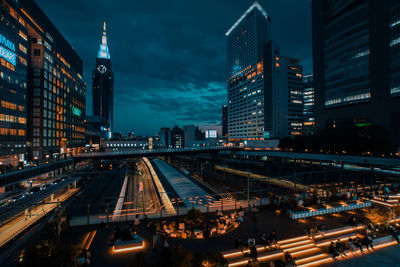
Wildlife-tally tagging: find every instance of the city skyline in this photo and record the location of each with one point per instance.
(152, 75)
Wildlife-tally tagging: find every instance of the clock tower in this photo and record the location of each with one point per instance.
(103, 83)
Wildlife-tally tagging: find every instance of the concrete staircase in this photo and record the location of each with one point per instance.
(305, 251)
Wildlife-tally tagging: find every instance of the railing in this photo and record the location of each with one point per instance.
(226, 202)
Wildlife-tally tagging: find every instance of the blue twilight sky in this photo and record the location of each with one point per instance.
(169, 57)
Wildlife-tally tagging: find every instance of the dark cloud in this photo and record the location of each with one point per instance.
(169, 57)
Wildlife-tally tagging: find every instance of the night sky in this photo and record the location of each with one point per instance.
(169, 57)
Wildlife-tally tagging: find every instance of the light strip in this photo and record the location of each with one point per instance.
(316, 262)
(318, 256)
(382, 203)
(89, 242)
(128, 249)
(296, 243)
(255, 5)
(292, 239)
(304, 251)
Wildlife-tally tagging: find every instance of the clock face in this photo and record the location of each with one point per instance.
(102, 68)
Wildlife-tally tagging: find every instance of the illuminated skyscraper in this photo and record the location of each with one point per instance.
(283, 93)
(245, 41)
(103, 83)
(56, 93)
(356, 54)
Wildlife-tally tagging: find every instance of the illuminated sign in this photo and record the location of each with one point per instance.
(8, 55)
(76, 111)
(7, 43)
(211, 134)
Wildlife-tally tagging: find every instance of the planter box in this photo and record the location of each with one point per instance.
(128, 245)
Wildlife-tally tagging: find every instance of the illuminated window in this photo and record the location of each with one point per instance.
(23, 35)
(277, 65)
(22, 21)
(23, 61)
(22, 48)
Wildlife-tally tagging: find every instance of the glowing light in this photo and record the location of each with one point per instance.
(129, 248)
(255, 5)
(103, 51)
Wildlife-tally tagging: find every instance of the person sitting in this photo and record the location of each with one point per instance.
(352, 246)
(321, 230)
(288, 259)
(81, 260)
(359, 244)
(241, 211)
(368, 242)
(341, 248)
(136, 220)
(395, 234)
(273, 239)
(251, 241)
(253, 252)
(333, 251)
(264, 240)
(239, 244)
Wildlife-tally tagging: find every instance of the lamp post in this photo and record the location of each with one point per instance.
(248, 190)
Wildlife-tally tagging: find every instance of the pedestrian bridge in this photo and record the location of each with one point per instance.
(152, 153)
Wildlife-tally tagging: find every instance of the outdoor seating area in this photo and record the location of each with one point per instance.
(327, 209)
(325, 247)
(195, 226)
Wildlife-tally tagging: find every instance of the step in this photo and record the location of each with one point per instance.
(290, 240)
(316, 262)
(239, 261)
(318, 255)
(327, 242)
(295, 244)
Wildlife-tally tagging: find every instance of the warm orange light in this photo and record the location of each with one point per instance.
(129, 249)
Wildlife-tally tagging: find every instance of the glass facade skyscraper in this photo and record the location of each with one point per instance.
(245, 41)
(48, 96)
(356, 46)
(103, 84)
(283, 88)
(13, 86)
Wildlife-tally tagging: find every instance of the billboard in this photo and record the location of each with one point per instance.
(211, 133)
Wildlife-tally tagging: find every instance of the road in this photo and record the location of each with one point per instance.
(22, 222)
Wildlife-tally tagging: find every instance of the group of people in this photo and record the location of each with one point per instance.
(128, 233)
(320, 229)
(268, 241)
(339, 248)
(395, 232)
(83, 258)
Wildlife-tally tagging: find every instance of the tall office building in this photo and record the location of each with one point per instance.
(356, 53)
(165, 137)
(245, 85)
(177, 137)
(225, 121)
(103, 83)
(13, 86)
(283, 94)
(47, 77)
(191, 134)
(308, 105)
